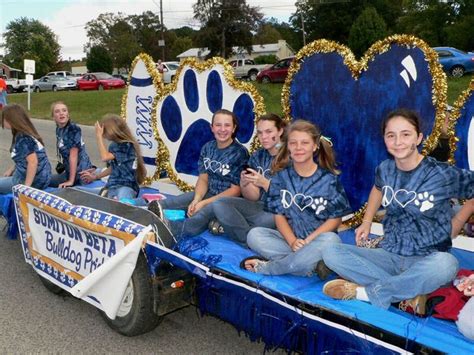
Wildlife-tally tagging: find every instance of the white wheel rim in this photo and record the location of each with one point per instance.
(127, 301)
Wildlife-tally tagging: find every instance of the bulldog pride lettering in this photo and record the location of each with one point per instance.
(75, 248)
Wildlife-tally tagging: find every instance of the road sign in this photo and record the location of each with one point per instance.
(29, 79)
(29, 66)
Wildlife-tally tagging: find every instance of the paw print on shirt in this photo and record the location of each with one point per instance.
(184, 116)
(225, 169)
(319, 205)
(424, 201)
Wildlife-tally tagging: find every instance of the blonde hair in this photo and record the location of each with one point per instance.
(325, 154)
(53, 105)
(19, 121)
(117, 130)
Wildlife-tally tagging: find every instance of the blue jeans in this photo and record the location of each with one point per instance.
(119, 192)
(238, 215)
(190, 226)
(465, 320)
(389, 277)
(6, 184)
(273, 246)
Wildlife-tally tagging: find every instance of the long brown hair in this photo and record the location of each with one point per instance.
(20, 122)
(116, 129)
(325, 154)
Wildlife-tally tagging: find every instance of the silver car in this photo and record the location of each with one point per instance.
(54, 83)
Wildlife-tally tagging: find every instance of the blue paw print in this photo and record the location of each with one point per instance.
(184, 115)
(349, 99)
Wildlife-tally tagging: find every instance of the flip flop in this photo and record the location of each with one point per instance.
(253, 257)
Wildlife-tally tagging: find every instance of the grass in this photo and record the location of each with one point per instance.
(87, 107)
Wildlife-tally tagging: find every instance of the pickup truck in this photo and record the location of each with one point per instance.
(246, 68)
(14, 85)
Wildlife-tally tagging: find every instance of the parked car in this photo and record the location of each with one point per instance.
(54, 83)
(99, 81)
(246, 68)
(169, 71)
(276, 73)
(124, 77)
(455, 61)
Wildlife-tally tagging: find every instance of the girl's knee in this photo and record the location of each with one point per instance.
(447, 263)
(254, 237)
(329, 237)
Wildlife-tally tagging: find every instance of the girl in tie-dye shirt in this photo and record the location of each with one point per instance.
(31, 167)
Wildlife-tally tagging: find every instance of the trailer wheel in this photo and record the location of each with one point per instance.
(51, 287)
(135, 315)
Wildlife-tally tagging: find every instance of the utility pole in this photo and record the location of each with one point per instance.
(162, 32)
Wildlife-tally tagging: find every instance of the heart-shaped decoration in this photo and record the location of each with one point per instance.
(214, 166)
(463, 117)
(348, 99)
(404, 197)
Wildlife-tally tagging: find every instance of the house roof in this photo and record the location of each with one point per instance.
(256, 48)
(10, 68)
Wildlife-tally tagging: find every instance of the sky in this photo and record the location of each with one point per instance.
(67, 18)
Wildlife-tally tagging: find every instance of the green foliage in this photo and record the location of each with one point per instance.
(292, 36)
(266, 59)
(226, 23)
(266, 34)
(367, 29)
(99, 60)
(30, 39)
(180, 45)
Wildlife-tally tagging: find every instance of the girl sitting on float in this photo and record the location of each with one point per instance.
(70, 147)
(220, 164)
(31, 167)
(308, 201)
(413, 257)
(236, 215)
(126, 169)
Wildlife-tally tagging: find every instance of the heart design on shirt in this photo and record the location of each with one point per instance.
(302, 201)
(404, 197)
(212, 165)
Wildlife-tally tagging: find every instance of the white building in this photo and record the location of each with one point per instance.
(281, 50)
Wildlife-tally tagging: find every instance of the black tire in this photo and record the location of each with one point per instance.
(37, 89)
(51, 287)
(266, 80)
(9, 89)
(253, 75)
(54, 88)
(136, 315)
(457, 71)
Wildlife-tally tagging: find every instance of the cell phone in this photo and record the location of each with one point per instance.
(245, 169)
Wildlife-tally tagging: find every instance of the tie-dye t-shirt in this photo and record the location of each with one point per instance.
(124, 166)
(69, 137)
(24, 146)
(261, 161)
(307, 202)
(417, 202)
(223, 166)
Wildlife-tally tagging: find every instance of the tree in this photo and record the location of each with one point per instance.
(30, 39)
(267, 34)
(367, 28)
(291, 35)
(122, 44)
(180, 45)
(147, 31)
(226, 23)
(99, 60)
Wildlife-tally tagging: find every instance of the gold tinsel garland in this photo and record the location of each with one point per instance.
(157, 83)
(439, 90)
(163, 156)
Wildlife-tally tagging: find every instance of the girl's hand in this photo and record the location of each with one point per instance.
(88, 175)
(245, 178)
(362, 232)
(192, 208)
(66, 184)
(99, 130)
(297, 244)
(256, 178)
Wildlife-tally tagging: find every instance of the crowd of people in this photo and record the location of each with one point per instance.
(285, 202)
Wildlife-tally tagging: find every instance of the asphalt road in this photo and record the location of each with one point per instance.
(33, 320)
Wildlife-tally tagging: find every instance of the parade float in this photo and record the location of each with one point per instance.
(122, 259)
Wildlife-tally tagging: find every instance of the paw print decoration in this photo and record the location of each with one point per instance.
(424, 201)
(319, 205)
(184, 110)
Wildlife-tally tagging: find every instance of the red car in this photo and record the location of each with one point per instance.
(99, 81)
(276, 73)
